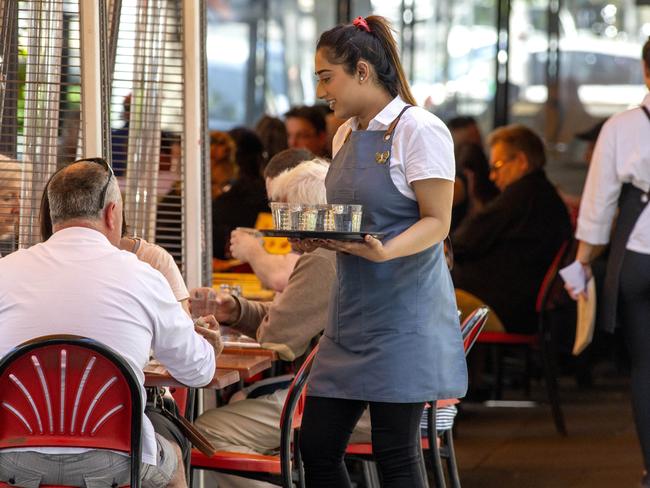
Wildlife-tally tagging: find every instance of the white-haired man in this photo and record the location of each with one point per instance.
(288, 325)
(79, 282)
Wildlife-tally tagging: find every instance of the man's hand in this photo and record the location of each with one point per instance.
(243, 245)
(206, 301)
(208, 327)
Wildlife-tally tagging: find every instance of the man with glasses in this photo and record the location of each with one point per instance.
(502, 253)
(78, 282)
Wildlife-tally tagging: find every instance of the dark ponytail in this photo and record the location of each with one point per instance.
(645, 54)
(346, 44)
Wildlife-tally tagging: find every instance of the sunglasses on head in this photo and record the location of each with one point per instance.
(104, 164)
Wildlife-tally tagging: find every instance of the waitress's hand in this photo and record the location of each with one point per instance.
(371, 248)
(304, 245)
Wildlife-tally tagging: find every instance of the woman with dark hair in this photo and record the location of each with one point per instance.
(473, 181)
(273, 134)
(246, 198)
(392, 341)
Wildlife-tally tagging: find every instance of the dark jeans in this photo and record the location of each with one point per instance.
(634, 315)
(327, 424)
(166, 428)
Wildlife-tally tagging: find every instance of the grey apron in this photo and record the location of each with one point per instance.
(393, 333)
(631, 203)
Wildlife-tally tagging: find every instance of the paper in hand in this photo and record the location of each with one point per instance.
(574, 276)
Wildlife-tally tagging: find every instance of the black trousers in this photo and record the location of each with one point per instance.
(634, 314)
(327, 424)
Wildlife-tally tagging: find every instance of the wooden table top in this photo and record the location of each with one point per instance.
(246, 365)
(248, 349)
(155, 374)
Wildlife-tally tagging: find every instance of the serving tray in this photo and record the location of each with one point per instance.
(312, 234)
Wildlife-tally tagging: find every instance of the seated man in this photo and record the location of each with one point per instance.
(502, 253)
(287, 325)
(273, 270)
(79, 282)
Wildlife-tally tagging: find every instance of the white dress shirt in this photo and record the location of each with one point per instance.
(621, 155)
(78, 283)
(422, 146)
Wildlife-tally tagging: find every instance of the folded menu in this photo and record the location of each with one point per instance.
(586, 318)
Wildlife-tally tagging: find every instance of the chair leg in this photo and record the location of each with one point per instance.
(550, 378)
(370, 474)
(498, 373)
(452, 464)
(434, 450)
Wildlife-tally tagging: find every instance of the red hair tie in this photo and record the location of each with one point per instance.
(360, 23)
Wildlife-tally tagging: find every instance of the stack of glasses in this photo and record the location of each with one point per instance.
(319, 218)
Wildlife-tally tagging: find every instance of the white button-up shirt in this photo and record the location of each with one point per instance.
(621, 155)
(422, 146)
(78, 283)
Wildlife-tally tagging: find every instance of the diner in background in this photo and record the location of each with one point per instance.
(473, 188)
(273, 134)
(502, 252)
(95, 290)
(10, 178)
(246, 198)
(614, 210)
(388, 347)
(307, 129)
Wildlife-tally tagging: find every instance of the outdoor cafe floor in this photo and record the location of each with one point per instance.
(508, 448)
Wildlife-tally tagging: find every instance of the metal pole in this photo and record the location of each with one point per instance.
(91, 86)
(193, 142)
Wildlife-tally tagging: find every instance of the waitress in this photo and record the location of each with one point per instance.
(616, 196)
(393, 340)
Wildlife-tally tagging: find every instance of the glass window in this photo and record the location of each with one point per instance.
(453, 52)
(261, 57)
(598, 68)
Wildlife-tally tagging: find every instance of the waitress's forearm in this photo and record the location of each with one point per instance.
(420, 236)
(588, 252)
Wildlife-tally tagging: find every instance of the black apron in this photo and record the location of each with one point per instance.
(631, 203)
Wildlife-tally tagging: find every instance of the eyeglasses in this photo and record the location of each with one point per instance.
(497, 165)
(104, 164)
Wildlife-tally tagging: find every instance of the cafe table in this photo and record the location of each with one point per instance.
(245, 364)
(155, 374)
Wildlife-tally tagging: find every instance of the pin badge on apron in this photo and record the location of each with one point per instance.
(382, 157)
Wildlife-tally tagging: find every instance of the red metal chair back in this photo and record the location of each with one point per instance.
(70, 391)
(291, 419)
(472, 327)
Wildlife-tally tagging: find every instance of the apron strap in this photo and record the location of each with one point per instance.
(631, 203)
(389, 132)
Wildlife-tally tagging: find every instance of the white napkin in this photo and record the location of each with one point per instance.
(575, 277)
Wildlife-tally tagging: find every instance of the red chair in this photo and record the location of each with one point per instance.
(70, 391)
(542, 340)
(439, 444)
(282, 470)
